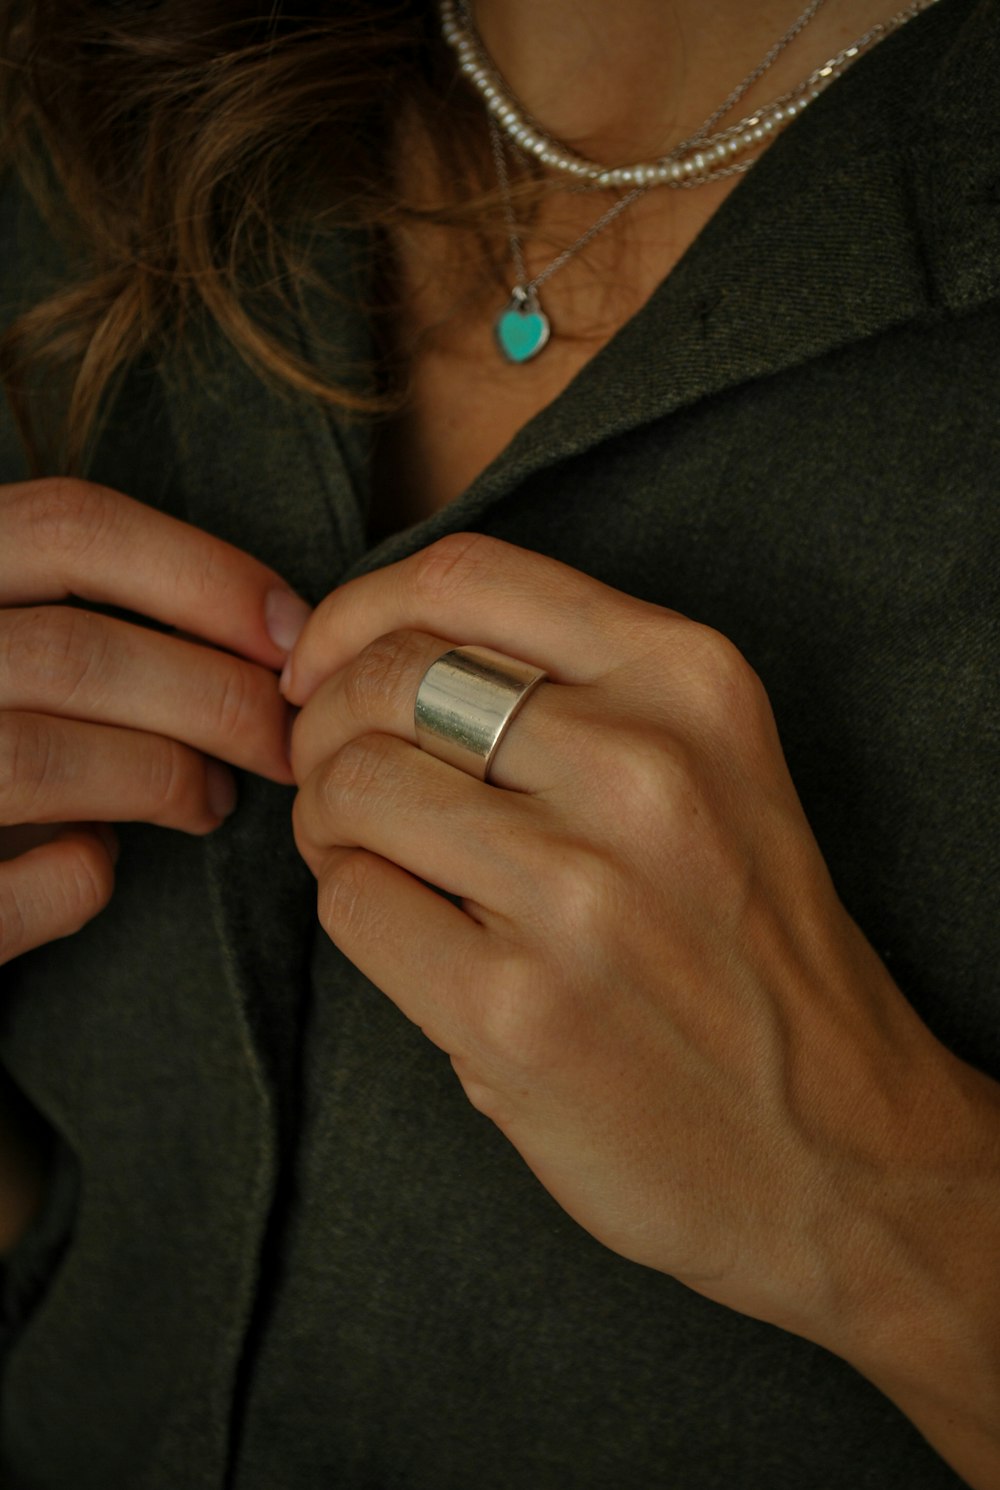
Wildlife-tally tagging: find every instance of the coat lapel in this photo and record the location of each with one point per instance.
(839, 234)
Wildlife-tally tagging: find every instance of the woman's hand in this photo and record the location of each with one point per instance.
(102, 720)
(650, 984)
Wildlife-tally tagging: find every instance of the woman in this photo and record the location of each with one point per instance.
(713, 1199)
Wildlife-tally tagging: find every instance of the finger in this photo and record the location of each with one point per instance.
(24, 836)
(377, 691)
(59, 770)
(470, 588)
(62, 661)
(436, 822)
(65, 537)
(53, 890)
(428, 955)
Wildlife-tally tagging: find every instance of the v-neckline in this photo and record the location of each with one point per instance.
(837, 188)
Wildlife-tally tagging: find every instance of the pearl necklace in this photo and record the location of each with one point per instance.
(700, 158)
(529, 137)
(522, 329)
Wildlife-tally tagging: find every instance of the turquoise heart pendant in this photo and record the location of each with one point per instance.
(522, 327)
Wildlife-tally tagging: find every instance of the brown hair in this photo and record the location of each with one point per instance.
(181, 148)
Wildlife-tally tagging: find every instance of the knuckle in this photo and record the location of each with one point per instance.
(76, 883)
(450, 564)
(65, 515)
(652, 771)
(582, 891)
(381, 673)
(14, 937)
(202, 567)
(232, 700)
(354, 771)
(725, 686)
(641, 769)
(26, 762)
(54, 650)
(660, 810)
(521, 1027)
(87, 883)
(169, 784)
(343, 898)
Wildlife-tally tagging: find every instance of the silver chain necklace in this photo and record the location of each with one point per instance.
(522, 328)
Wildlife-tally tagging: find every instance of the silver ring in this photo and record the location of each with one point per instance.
(465, 703)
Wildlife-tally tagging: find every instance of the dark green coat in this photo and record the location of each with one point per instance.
(282, 1252)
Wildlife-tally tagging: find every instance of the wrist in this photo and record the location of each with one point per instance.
(924, 1317)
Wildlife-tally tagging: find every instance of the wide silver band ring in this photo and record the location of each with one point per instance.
(465, 703)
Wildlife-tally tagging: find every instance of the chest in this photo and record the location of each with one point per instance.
(464, 408)
(465, 402)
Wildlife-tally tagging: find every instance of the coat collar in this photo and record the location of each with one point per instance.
(871, 212)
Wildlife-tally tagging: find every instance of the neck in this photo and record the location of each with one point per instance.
(623, 80)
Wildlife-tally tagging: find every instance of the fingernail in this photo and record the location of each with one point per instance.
(285, 615)
(220, 784)
(285, 681)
